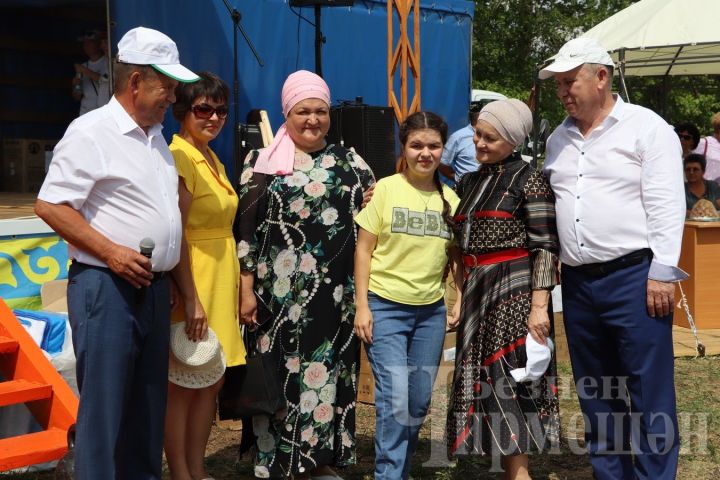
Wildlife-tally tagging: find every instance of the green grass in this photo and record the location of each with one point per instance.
(697, 388)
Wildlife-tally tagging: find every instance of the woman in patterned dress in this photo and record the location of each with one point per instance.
(298, 198)
(509, 240)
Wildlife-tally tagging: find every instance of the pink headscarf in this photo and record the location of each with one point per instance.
(278, 158)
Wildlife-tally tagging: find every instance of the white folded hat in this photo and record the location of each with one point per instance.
(574, 53)
(145, 46)
(538, 359)
(195, 364)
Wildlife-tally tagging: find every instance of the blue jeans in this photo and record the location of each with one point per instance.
(404, 355)
(121, 345)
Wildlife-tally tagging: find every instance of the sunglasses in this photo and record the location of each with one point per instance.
(205, 111)
(684, 136)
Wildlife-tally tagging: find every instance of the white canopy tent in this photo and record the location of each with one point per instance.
(663, 37)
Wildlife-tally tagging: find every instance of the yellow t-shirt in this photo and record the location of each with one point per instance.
(411, 252)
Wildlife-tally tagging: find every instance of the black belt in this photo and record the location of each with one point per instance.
(156, 275)
(605, 268)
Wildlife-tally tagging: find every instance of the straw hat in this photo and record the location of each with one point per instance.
(195, 364)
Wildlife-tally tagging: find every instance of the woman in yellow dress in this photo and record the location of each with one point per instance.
(208, 255)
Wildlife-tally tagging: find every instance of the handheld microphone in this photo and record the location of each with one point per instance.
(147, 245)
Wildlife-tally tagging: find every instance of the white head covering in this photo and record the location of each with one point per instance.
(512, 119)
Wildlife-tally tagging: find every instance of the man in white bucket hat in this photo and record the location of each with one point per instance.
(111, 184)
(619, 200)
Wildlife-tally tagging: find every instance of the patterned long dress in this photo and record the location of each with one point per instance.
(298, 237)
(507, 218)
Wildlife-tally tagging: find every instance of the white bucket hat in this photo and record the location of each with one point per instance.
(538, 359)
(574, 53)
(195, 364)
(145, 46)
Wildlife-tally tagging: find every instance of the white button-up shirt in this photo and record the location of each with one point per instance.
(618, 190)
(710, 147)
(122, 181)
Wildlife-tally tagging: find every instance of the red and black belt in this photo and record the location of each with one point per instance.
(472, 261)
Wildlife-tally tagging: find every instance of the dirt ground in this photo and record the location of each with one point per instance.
(429, 462)
(696, 383)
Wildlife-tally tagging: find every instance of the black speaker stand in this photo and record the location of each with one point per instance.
(236, 17)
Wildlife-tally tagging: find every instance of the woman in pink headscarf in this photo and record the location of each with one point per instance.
(298, 198)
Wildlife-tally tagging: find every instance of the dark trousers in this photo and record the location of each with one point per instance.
(616, 350)
(121, 347)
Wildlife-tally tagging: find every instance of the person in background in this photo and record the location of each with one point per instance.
(696, 187)
(709, 147)
(208, 260)
(104, 89)
(616, 173)
(510, 246)
(689, 136)
(404, 245)
(458, 157)
(111, 184)
(91, 77)
(298, 198)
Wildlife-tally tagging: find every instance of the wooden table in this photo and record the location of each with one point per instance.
(700, 257)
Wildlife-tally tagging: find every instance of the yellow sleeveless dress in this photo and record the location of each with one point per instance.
(212, 248)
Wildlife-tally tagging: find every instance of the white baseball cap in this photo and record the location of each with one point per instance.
(575, 53)
(145, 46)
(538, 359)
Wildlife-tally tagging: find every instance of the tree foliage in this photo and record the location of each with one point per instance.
(512, 37)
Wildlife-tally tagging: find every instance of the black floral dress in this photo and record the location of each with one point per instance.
(507, 215)
(298, 237)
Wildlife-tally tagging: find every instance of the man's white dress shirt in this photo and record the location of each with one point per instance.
(619, 190)
(122, 181)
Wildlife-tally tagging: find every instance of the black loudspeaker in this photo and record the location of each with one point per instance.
(322, 3)
(370, 131)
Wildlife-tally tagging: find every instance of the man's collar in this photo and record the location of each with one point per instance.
(615, 114)
(619, 107)
(126, 123)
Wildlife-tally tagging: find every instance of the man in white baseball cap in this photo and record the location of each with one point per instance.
(619, 200)
(111, 184)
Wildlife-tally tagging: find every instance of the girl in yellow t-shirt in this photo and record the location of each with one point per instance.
(404, 243)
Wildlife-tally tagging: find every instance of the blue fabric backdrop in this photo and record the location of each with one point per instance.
(354, 57)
